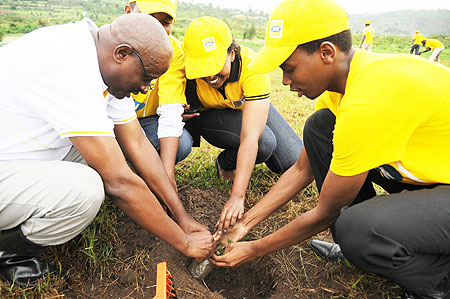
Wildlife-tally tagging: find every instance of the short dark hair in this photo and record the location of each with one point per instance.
(234, 46)
(342, 40)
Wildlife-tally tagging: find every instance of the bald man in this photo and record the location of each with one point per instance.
(65, 135)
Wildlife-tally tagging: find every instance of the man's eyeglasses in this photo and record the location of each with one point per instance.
(151, 84)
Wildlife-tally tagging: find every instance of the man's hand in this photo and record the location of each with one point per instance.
(199, 245)
(420, 52)
(188, 113)
(189, 225)
(235, 255)
(231, 212)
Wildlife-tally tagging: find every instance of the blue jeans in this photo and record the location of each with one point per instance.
(279, 146)
(150, 126)
(415, 49)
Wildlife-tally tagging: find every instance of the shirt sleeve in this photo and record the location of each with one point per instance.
(256, 86)
(120, 111)
(170, 122)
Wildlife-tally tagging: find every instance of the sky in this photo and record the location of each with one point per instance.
(351, 6)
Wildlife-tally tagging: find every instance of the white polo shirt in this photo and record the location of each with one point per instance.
(51, 89)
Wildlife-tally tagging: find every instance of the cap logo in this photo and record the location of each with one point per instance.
(276, 29)
(209, 43)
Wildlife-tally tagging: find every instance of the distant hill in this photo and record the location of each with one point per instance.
(405, 22)
(26, 15)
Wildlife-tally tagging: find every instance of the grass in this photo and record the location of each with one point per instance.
(94, 247)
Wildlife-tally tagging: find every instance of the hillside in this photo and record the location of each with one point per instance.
(405, 22)
(24, 16)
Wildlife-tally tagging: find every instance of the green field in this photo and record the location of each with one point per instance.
(98, 241)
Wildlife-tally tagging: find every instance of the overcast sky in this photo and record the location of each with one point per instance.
(351, 6)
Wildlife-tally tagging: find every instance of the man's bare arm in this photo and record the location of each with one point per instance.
(133, 196)
(294, 180)
(337, 192)
(147, 163)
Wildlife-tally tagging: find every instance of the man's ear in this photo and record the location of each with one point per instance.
(233, 55)
(121, 52)
(328, 52)
(128, 9)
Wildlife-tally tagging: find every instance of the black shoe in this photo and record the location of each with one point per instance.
(326, 250)
(22, 270)
(18, 259)
(442, 291)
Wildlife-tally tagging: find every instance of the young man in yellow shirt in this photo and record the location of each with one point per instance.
(390, 127)
(415, 44)
(434, 44)
(368, 34)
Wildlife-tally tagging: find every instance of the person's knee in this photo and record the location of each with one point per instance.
(89, 193)
(353, 232)
(321, 121)
(266, 145)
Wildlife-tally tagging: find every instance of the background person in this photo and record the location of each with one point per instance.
(417, 40)
(45, 126)
(160, 110)
(237, 115)
(368, 34)
(379, 131)
(434, 44)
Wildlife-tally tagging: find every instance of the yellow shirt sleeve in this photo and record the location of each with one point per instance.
(328, 100)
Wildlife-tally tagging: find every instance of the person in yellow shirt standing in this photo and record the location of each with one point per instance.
(236, 111)
(160, 110)
(434, 44)
(368, 34)
(417, 40)
(389, 127)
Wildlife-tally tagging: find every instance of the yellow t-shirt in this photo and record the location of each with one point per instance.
(394, 117)
(369, 32)
(246, 85)
(328, 100)
(169, 88)
(433, 43)
(418, 38)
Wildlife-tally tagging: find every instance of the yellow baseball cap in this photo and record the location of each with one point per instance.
(417, 31)
(153, 6)
(367, 22)
(206, 42)
(296, 22)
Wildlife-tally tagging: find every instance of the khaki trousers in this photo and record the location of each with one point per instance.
(52, 201)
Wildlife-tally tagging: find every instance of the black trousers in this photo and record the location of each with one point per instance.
(404, 236)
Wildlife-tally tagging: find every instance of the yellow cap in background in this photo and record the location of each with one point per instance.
(206, 42)
(296, 22)
(154, 6)
(417, 31)
(367, 22)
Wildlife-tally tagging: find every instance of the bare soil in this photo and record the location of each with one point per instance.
(292, 273)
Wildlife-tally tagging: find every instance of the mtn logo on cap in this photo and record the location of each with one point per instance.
(209, 44)
(276, 29)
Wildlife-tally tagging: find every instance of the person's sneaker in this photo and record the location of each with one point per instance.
(442, 291)
(326, 250)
